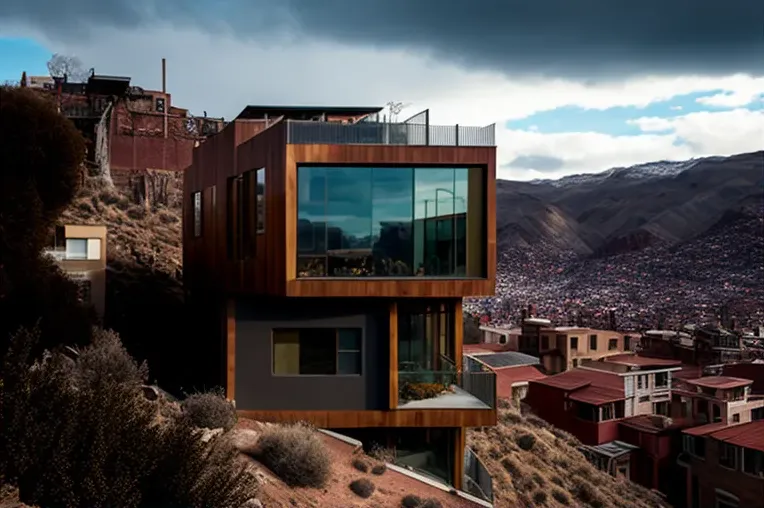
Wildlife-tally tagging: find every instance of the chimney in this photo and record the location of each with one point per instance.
(524, 315)
(164, 92)
(579, 319)
(611, 319)
(533, 310)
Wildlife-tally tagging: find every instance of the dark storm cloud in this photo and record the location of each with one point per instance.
(588, 39)
(541, 163)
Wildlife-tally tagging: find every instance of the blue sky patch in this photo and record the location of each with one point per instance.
(22, 55)
(614, 121)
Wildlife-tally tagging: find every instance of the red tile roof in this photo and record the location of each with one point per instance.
(590, 386)
(507, 376)
(747, 435)
(641, 361)
(720, 382)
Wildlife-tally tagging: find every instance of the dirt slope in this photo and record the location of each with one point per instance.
(535, 465)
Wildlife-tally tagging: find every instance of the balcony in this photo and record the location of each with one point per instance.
(449, 389)
(301, 132)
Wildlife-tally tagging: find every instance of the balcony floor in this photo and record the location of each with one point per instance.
(458, 399)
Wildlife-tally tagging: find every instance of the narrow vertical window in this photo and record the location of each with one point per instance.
(261, 200)
(197, 198)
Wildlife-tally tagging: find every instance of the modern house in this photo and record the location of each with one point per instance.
(80, 252)
(329, 252)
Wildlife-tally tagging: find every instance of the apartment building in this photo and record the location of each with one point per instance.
(694, 345)
(80, 252)
(724, 465)
(329, 252)
(717, 399)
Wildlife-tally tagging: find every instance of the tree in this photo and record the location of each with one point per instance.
(41, 157)
(70, 66)
(40, 163)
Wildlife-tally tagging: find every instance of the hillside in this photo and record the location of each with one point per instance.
(627, 208)
(534, 464)
(669, 245)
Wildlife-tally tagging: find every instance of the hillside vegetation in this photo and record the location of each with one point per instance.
(534, 464)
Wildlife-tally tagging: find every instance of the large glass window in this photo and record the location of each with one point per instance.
(317, 351)
(390, 222)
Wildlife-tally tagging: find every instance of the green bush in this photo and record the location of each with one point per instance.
(76, 437)
(209, 410)
(296, 454)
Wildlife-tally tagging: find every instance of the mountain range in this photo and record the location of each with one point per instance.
(626, 209)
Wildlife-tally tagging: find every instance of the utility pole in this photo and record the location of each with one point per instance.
(164, 92)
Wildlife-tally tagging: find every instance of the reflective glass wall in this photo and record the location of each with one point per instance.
(390, 222)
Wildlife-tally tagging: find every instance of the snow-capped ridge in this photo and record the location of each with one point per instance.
(644, 171)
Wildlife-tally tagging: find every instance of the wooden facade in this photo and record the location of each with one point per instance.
(270, 269)
(248, 145)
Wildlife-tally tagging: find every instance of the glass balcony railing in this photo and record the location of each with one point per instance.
(446, 389)
(382, 133)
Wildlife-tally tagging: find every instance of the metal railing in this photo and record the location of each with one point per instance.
(428, 384)
(477, 479)
(380, 133)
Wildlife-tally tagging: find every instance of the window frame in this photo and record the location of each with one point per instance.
(260, 193)
(308, 261)
(197, 210)
(593, 342)
(612, 344)
(337, 351)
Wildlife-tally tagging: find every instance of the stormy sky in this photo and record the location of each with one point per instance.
(480, 61)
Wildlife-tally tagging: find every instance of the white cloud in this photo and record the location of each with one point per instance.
(221, 75)
(742, 95)
(693, 135)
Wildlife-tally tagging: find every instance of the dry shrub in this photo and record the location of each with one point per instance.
(539, 479)
(536, 421)
(361, 465)
(411, 501)
(587, 493)
(526, 441)
(382, 453)
(362, 487)
(511, 418)
(209, 410)
(75, 436)
(539, 497)
(379, 469)
(431, 503)
(561, 497)
(107, 360)
(420, 391)
(296, 454)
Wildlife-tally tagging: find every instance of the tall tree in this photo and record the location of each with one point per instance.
(40, 163)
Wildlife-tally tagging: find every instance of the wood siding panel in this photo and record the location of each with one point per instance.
(241, 146)
(364, 419)
(393, 356)
(387, 154)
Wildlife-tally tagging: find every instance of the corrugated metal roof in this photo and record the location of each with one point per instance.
(721, 382)
(507, 377)
(508, 359)
(642, 361)
(597, 395)
(578, 378)
(614, 448)
(706, 429)
(747, 435)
